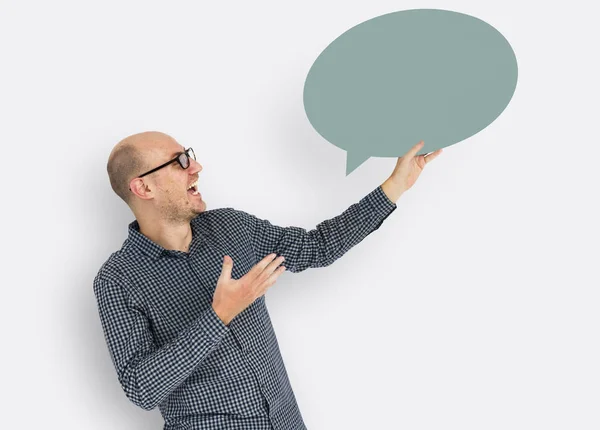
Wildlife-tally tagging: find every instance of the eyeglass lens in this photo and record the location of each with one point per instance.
(184, 160)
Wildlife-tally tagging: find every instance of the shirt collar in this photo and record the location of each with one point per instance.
(151, 248)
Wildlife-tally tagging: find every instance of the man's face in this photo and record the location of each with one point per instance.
(169, 185)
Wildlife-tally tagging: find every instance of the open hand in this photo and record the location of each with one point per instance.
(232, 296)
(409, 167)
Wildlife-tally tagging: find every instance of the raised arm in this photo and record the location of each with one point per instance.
(147, 373)
(326, 243)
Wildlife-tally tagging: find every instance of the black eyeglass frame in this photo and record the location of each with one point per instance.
(178, 159)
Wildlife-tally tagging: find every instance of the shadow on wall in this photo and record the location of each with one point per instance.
(109, 399)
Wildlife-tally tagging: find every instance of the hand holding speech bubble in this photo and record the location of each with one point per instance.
(420, 74)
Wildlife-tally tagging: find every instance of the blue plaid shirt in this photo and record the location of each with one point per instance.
(171, 350)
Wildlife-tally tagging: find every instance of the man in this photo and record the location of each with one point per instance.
(182, 302)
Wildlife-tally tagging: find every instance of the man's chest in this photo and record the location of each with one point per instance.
(176, 289)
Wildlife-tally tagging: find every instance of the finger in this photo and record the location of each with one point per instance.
(412, 151)
(432, 155)
(226, 269)
(260, 266)
(272, 266)
(271, 279)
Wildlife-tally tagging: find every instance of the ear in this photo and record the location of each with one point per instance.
(139, 187)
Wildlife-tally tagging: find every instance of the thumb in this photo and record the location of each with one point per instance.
(227, 265)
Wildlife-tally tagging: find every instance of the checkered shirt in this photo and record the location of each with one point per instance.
(171, 350)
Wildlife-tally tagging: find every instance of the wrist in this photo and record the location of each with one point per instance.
(392, 190)
(221, 315)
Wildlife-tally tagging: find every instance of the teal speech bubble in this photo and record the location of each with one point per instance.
(420, 74)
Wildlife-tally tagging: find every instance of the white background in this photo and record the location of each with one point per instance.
(474, 306)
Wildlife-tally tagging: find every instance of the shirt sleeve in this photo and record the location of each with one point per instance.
(326, 243)
(147, 373)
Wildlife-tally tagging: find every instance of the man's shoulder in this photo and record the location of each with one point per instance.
(218, 218)
(112, 271)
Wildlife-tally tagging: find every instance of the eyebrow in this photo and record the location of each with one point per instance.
(178, 152)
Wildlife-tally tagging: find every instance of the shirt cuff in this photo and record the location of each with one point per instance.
(212, 326)
(380, 202)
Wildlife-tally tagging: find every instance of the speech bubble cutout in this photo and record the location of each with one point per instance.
(421, 74)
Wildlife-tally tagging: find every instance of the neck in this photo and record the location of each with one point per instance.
(172, 236)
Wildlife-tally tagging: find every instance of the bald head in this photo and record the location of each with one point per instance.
(131, 157)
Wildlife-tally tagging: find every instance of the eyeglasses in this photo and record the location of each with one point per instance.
(183, 159)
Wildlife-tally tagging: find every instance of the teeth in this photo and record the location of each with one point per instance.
(194, 184)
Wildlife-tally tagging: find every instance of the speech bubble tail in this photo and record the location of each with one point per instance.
(353, 160)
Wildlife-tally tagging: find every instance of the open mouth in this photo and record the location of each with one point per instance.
(193, 189)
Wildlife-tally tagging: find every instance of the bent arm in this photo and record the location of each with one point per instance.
(147, 373)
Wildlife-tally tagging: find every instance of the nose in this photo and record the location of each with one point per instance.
(195, 166)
